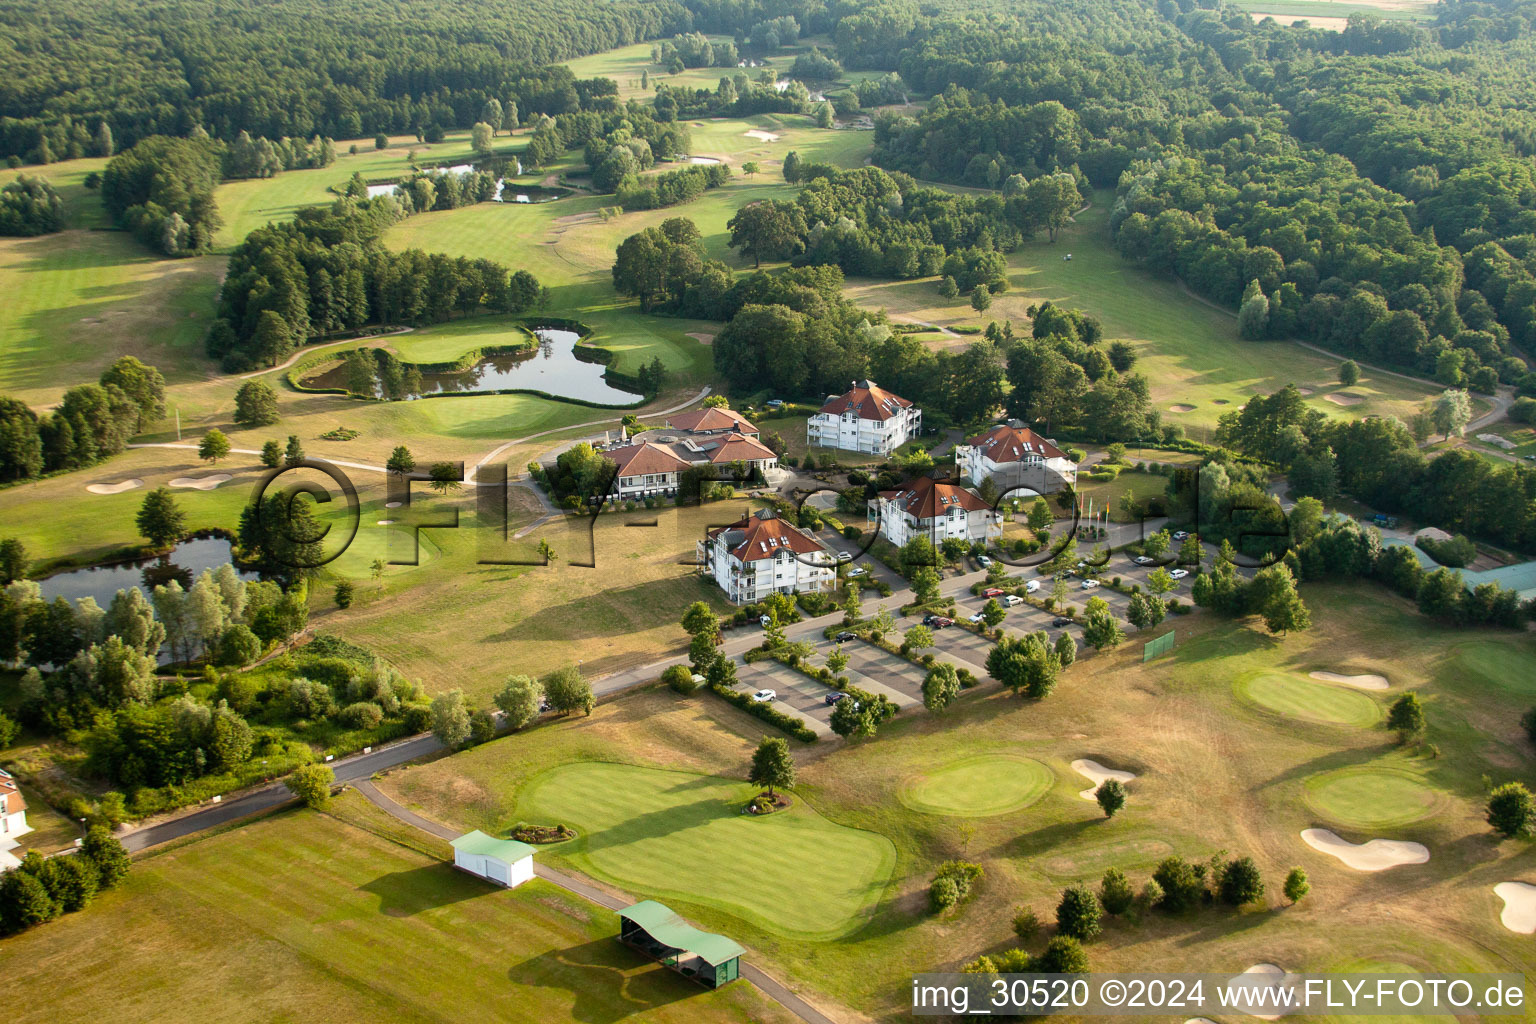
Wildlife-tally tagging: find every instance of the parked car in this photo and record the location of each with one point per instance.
(992, 592)
(1145, 559)
(843, 556)
(698, 680)
(764, 620)
(978, 618)
(1060, 621)
(1090, 584)
(857, 570)
(938, 621)
(1013, 599)
(1180, 534)
(834, 696)
(1031, 586)
(845, 636)
(1179, 574)
(984, 561)
(774, 403)
(543, 704)
(764, 696)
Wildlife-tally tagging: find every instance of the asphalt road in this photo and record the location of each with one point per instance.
(348, 769)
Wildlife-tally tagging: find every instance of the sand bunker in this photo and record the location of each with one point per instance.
(1375, 855)
(117, 488)
(1305, 390)
(1199, 1020)
(393, 504)
(1519, 906)
(761, 136)
(1363, 681)
(1344, 398)
(386, 522)
(200, 483)
(702, 337)
(1098, 773)
(1181, 407)
(1265, 976)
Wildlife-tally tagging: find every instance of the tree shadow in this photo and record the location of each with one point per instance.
(1044, 839)
(599, 977)
(407, 893)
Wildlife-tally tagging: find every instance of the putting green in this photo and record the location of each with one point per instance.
(679, 836)
(1371, 796)
(1298, 697)
(977, 787)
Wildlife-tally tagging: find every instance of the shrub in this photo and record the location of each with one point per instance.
(1115, 892)
(362, 715)
(679, 679)
(344, 592)
(482, 727)
(1296, 885)
(1111, 796)
(311, 783)
(1181, 886)
(1077, 914)
(952, 883)
(1240, 882)
(1063, 955)
(766, 712)
(1026, 924)
(237, 646)
(852, 532)
(1511, 810)
(417, 717)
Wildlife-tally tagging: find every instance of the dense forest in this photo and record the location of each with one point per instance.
(293, 67)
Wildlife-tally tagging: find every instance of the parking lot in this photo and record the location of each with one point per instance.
(795, 691)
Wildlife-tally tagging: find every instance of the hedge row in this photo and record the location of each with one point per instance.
(767, 712)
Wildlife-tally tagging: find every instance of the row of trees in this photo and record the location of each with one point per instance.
(91, 422)
(1378, 461)
(29, 206)
(42, 889)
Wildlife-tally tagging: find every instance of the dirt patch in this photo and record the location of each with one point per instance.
(702, 337)
(1097, 774)
(1519, 914)
(761, 136)
(1344, 398)
(1331, 24)
(117, 487)
(1363, 681)
(201, 483)
(1374, 855)
(1181, 407)
(1221, 401)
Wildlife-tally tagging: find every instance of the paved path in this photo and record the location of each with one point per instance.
(766, 983)
(305, 350)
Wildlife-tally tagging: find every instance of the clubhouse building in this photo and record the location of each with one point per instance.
(930, 508)
(653, 463)
(1013, 456)
(762, 554)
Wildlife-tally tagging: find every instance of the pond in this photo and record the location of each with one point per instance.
(552, 366)
(517, 193)
(702, 160)
(185, 562)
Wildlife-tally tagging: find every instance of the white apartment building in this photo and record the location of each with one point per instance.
(867, 419)
(13, 821)
(1011, 455)
(929, 508)
(761, 554)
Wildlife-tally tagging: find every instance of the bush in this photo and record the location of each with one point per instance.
(237, 646)
(311, 783)
(1296, 885)
(1077, 914)
(1181, 886)
(1063, 955)
(1511, 810)
(952, 883)
(1026, 924)
(679, 679)
(417, 718)
(1240, 882)
(344, 591)
(482, 727)
(1115, 892)
(1458, 552)
(362, 715)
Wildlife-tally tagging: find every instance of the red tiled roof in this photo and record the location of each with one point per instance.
(925, 498)
(734, 446)
(643, 458)
(764, 535)
(1004, 443)
(869, 400)
(11, 800)
(705, 420)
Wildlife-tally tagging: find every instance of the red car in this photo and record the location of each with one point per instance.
(992, 592)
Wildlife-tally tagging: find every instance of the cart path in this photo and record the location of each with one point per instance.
(587, 890)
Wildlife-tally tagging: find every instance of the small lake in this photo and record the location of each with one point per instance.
(184, 564)
(702, 160)
(551, 367)
(505, 192)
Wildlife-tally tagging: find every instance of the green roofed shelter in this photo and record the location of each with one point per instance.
(503, 861)
(656, 930)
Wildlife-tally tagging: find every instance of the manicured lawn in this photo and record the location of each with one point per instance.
(304, 917)
(1106, 494)
(1189, 351)
(979, 786)
(1297, 697)
(1371, 796)
(660, 833)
